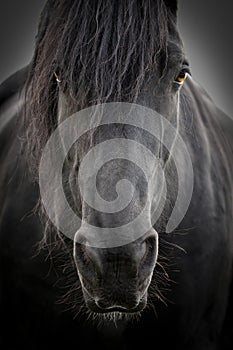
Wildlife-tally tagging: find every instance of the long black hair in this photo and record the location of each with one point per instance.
(101, 50)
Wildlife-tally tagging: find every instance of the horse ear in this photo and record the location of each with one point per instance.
(172, 5)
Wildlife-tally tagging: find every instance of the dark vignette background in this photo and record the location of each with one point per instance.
(206, 27)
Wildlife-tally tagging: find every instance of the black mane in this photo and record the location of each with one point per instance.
(102, 51)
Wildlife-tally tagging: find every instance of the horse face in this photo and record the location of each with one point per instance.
(116, 277)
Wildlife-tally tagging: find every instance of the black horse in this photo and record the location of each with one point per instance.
(163, 289)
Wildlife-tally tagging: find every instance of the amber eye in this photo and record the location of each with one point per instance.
(181, 77)
(57, 77)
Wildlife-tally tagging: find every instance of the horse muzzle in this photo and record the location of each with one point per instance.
(117, 279)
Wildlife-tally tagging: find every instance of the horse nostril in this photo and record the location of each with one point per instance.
(151, 250)
(86, 256)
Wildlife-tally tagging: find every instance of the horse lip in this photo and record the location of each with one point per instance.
(93, 307)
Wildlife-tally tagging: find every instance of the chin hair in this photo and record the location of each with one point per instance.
(115, 317)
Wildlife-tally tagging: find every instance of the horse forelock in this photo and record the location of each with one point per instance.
(102, 52)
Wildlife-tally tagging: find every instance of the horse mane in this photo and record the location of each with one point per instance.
(101, 50)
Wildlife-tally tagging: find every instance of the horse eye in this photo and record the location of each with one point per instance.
(181, 77)
(57, 77)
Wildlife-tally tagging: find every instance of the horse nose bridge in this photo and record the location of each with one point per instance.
(119, 185)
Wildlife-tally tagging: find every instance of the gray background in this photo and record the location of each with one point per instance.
(206, 27)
